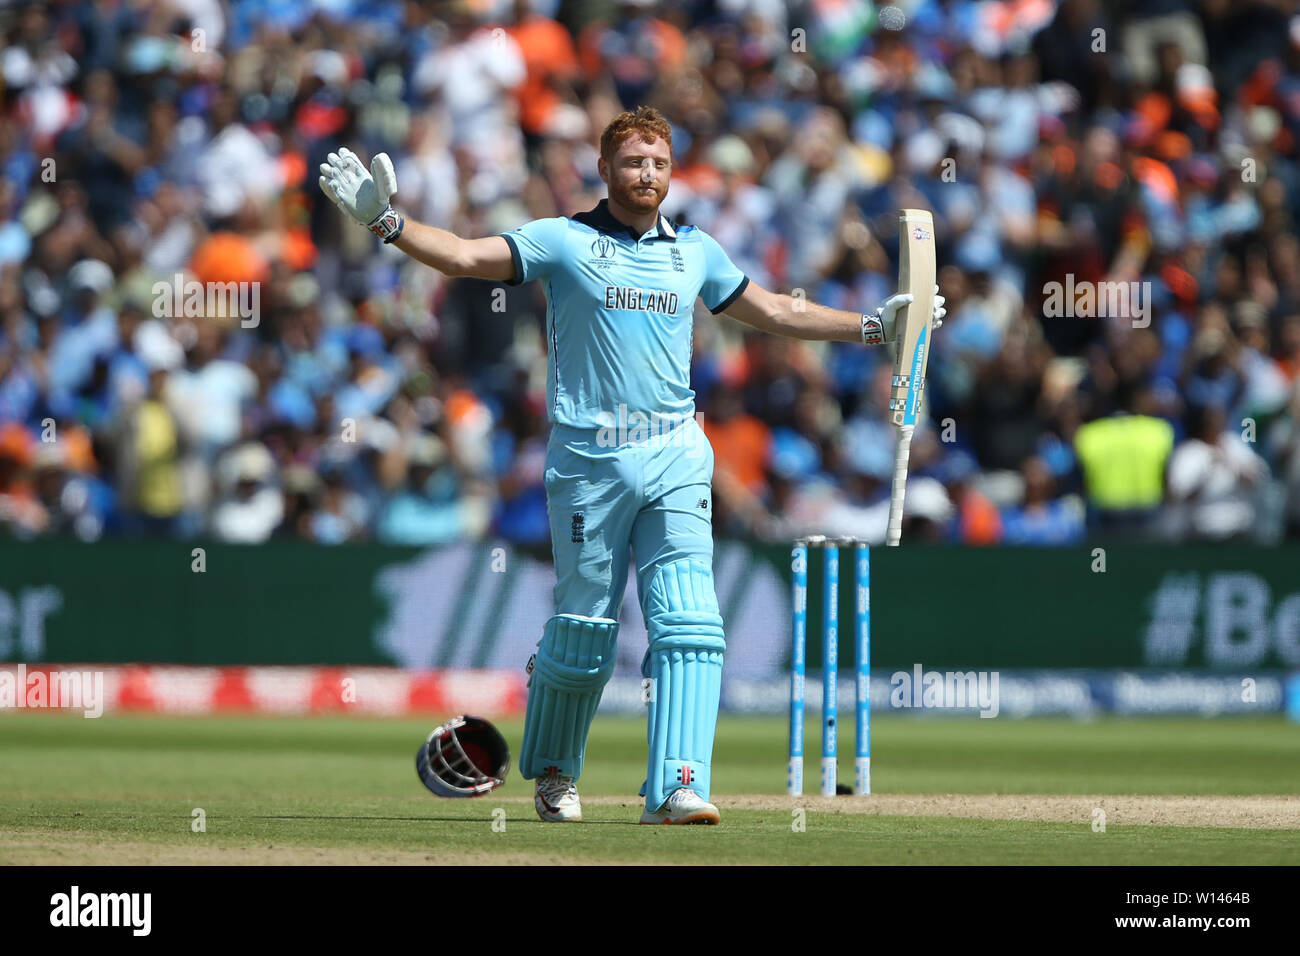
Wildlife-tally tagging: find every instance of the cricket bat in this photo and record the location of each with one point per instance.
(916, 269)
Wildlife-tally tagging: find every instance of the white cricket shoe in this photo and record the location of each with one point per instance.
(683, 806)
(556, 799)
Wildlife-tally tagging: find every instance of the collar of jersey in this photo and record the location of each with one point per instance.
(602, 219)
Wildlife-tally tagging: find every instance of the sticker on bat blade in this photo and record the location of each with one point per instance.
(914, 394)
(920, 232)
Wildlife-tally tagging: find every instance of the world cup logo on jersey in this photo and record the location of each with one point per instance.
(603, 247)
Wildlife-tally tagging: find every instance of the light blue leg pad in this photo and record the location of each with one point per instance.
(685, 664)
(573, 663)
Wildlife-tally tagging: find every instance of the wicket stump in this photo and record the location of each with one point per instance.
(830, 663)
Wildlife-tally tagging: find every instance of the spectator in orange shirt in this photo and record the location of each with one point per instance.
(1289, 348)
(977, 520)
(635, 50)
(551, 62)
(21, 511)
(742, 450)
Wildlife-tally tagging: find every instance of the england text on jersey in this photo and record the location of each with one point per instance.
(641, 300)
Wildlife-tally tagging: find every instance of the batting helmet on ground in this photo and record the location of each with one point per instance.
(465, 757)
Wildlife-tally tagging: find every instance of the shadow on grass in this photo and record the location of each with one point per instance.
(478, 821)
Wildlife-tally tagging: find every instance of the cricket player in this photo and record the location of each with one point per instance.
(621, 282)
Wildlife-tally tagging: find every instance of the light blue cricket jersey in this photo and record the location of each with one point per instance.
(619, 311)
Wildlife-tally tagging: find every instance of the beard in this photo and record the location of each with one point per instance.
(636, 198)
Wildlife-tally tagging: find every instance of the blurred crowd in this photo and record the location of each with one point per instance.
(149, 144)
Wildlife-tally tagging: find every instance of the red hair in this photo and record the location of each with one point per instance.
(646, 120)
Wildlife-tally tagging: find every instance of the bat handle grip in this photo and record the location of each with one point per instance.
(899, 489)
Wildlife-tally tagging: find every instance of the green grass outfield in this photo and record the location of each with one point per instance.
(329, 790)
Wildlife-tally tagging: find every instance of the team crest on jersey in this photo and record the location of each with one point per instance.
(679, 264)
(578, 530)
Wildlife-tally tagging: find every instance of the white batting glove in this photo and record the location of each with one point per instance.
(363, 194)
(881, 326)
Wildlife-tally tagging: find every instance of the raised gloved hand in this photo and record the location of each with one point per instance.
(363, 194)
(881, 326)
